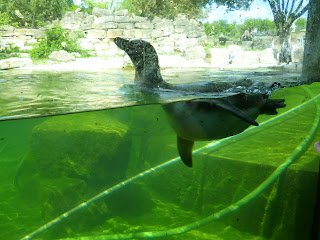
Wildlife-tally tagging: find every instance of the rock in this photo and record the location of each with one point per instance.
(128, 33)
(108, 25)
(6, 31)
(195, 52)
(247, 45)
(25, 55)
(15, 63)
(7, 28)
(144, 25)
(121, 19)
(262, 42)
(104, 19)
(18, 32)
(180, 23)
(241, 57)
(76, 54)
(175, 37)
(166, 50)
(187, 43)
(101, 46)
(219, 57)
(181, 16)
(86, 44)
(72, 20)
(88, 22)
(95, 33)
(99, 12)
(267, 57)
(125, 25)
(180, 29)
(166, 26)
(297, 54)
(234, 49)
(123, 12)
(38, 34)
(143, 33)
(194, 34)
(76, 151)
(137, 19)
(156, 33)
(112, 33)
(156, 20)
(246, 58)
(14, 41)
(26, 48)
(61, 56)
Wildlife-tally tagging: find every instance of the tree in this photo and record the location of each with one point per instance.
(311, 60)
(285, 12)
(171, 8)
(35, 12)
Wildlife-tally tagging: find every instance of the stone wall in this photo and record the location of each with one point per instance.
(103, 25)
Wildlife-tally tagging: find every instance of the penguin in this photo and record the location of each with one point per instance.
(197, 120)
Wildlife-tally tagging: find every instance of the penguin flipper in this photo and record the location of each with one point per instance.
(185, 150)
(236, 112)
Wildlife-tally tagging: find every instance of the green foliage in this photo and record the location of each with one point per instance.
(34, 12)
(8, 50)
(235, 4)
(55, 39)
(234, 30)
(301, 23)
(166, 8)
(5, 19)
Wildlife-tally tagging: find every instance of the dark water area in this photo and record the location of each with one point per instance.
(29, 93)
(49, 165)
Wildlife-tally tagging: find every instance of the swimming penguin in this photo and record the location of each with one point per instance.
(197, 120)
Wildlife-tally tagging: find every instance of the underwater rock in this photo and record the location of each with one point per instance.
(72, 158)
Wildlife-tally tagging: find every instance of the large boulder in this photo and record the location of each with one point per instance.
(96, 33)
(72, 20)
(61, 56)
(297, 54)
(195, 53)
(262, 42)
(166, 27)
(72, 158)
(100, 12)
(219, 57)
(6, 31)
(15, 63)
(267, 57)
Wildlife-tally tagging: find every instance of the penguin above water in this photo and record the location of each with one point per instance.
(197, 120)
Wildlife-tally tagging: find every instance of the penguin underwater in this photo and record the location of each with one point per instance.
(197, 120)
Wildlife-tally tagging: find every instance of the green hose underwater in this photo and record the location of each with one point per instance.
(232, 208)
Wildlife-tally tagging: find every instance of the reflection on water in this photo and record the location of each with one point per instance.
(25, 94)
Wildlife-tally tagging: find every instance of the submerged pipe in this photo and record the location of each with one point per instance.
(296, 154)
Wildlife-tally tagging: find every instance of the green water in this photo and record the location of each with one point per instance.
(51, 164)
